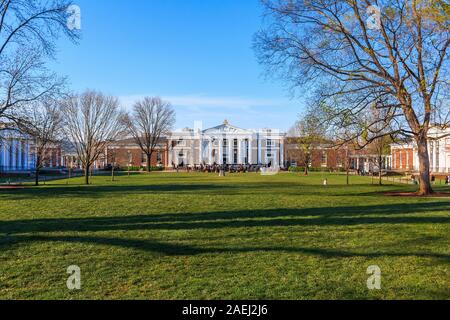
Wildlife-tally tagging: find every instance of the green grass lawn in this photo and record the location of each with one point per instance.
(199, 236)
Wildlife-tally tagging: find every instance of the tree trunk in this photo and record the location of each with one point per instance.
(307, 161)
(86, 175)
(348, 166)
(380, 164)
(149, 162)
(36, 181)
(424, 167)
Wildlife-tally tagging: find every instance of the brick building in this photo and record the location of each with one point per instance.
(405, 156)
(402, 157)
(326, 155)
(322, 155)
(127, 152)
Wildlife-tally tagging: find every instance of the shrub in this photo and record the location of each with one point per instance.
(141, 168)
(316, 169)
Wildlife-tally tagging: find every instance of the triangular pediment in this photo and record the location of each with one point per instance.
(225, 128)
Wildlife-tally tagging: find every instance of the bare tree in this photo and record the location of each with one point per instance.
(380, 147)
(24, 81)
(378, 135)
(91, 122)
(151, 119)
(393, 53)
(309, 135)
(42, 123)
(28, 31)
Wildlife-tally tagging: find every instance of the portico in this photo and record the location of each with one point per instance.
(15, 152)
(226, 145)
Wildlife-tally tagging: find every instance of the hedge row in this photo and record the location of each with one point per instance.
(140, 168)
(314, 169)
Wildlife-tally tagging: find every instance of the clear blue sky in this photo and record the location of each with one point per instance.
(195, 53)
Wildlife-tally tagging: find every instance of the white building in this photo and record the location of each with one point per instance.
(405, 156)
(15, 152)
(226, 144)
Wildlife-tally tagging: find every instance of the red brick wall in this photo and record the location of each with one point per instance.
(402, 159)
(121, 155)
(335, 157)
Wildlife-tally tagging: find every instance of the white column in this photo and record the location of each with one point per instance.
(169, 154)
(266, 160)
(210, 148)
(282, 152)
(239, 156)
(243, 151)
(5, 155)
(276, 159)
(20, 154)
(230, 150)
(407, 159)
(2, 155)
(259, 146)
(250, 151)
(221, 151)
(192, 157)
(200, 149)
(12, 158)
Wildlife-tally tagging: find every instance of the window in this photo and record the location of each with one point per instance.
(437, 156)
(339, 161)
(158, 157)
(225, 151)
(269, 148)
(179, 143)
(246, 151)
(324, 159)
(235, 151)
(143, 158)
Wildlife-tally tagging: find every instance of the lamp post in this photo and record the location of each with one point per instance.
(113, 160)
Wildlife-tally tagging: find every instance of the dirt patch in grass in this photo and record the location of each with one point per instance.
(413, 194)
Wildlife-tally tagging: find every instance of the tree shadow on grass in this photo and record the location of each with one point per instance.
(27, 231)
(170, 249)
(92, 191)
(213, 188)
(320, 216)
